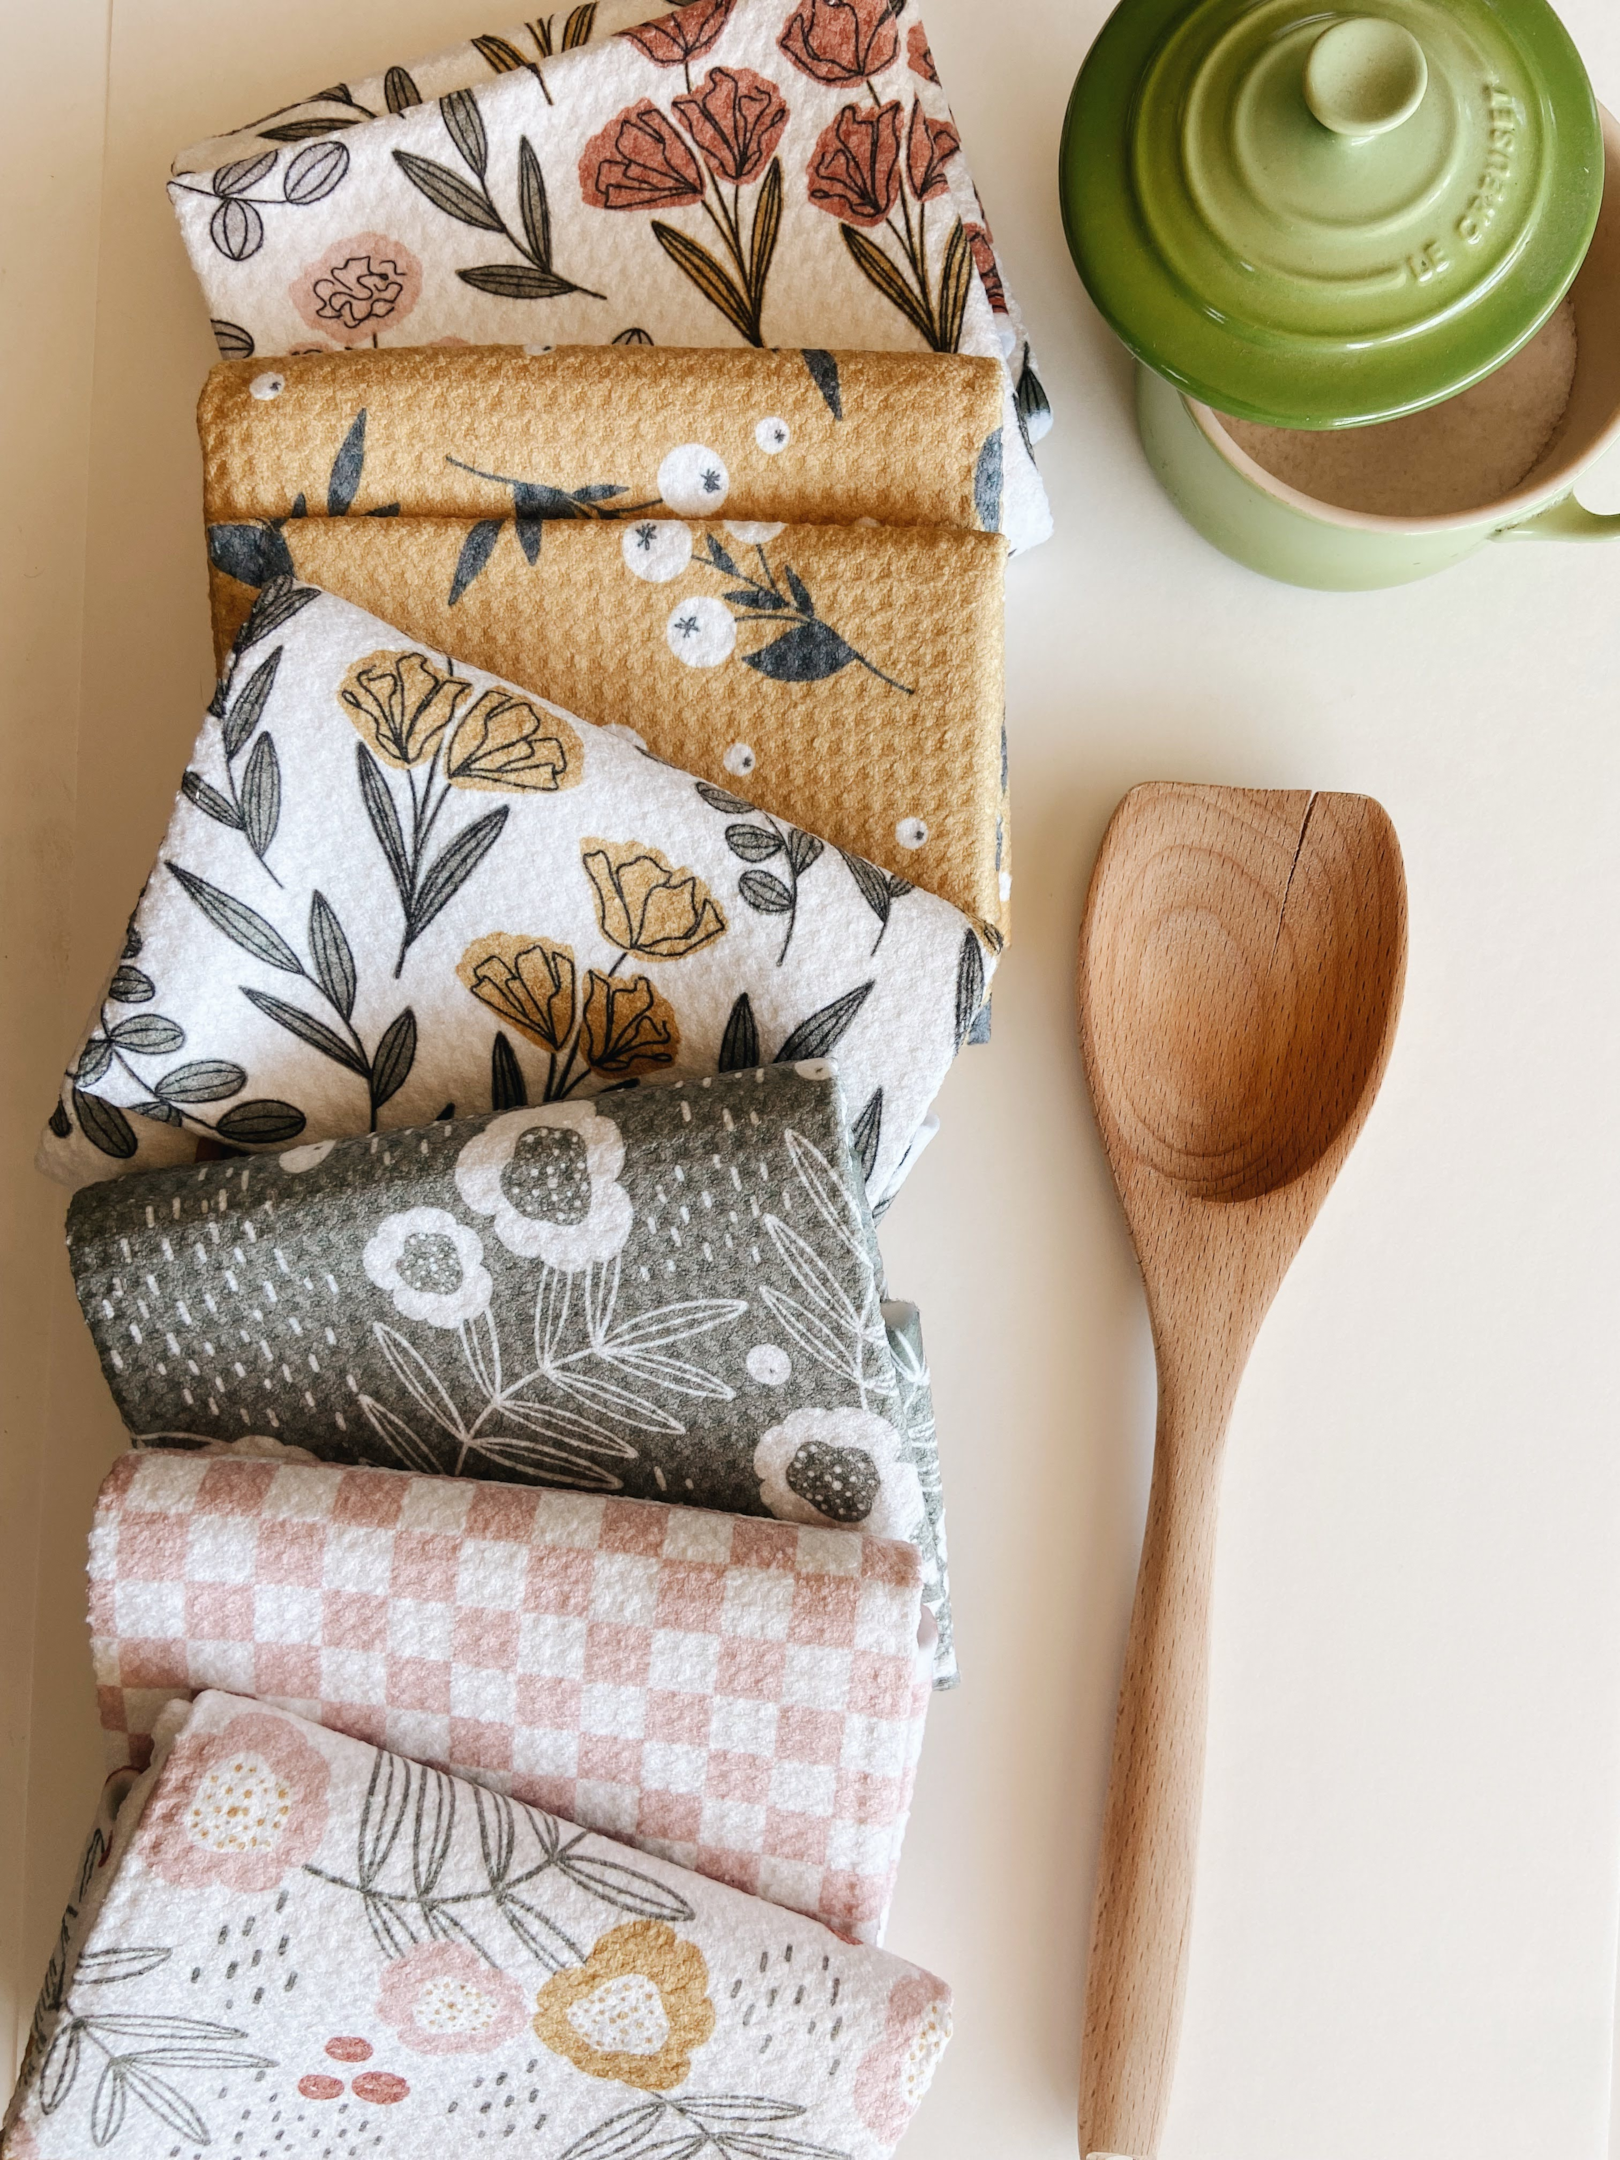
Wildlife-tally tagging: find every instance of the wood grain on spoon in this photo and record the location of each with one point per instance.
(1241, 965)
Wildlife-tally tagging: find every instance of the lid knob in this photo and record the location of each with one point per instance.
(1365, 76)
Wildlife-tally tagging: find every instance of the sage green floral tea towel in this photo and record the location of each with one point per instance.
(770, 172)
(394, 889)
(745, 1698)
(903, 1324)
(296, 1943)
(672, 1293)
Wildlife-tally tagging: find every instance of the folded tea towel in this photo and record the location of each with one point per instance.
(779, 172)
(297, 1942)
(847, 680)
(839, 35)
(903, 1324)
(745, 1698)
(391, 886)
(366, 97)
(606, 431)
(673, 1292)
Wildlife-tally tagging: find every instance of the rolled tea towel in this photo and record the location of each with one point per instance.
(774, 172)
(835, 44)
(393, 888)
(295, 1936)
(745, 1698)
(670, 1293)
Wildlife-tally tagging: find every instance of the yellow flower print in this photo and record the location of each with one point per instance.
(646, 906)
(504, 744)
(401, 704)
(530, 982)
(637, 2010)
(628, 1028)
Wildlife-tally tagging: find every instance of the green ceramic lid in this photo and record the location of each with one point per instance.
(1319, 219)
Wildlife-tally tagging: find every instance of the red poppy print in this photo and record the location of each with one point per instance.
(639, 162)
(868, 166)
(918, 57)
(855, 172)
(736, 119)
(929, 145)
(675, 40)
(643, 160)
(984, 256)
(841, 41)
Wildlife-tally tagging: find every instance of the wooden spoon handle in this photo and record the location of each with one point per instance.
(1139, 1933)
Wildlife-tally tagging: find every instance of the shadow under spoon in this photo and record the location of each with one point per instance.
(1241, 965)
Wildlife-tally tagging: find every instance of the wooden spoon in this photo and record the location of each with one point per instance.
(1241, 965)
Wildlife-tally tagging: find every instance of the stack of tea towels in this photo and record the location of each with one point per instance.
(515, 1623)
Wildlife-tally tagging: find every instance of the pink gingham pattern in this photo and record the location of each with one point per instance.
(741, 1696)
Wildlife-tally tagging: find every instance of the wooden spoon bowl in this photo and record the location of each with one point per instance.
(1221, 1037)
(1241, 966)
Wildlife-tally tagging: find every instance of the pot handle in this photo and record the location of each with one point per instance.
(1565, 520)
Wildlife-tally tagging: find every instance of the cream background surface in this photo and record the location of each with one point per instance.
(1405, 1937)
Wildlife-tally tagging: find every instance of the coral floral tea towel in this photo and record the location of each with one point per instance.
(672, 1293)
(394, 889)
(296, 1943)
(774, 172)
(743, 1698)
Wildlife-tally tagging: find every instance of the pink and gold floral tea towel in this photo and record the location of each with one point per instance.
(779, 172)
(296, 1943)
(743, 1697)
(376, 857)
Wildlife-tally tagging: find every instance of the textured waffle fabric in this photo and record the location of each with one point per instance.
(674, 1292)
(286, 1936)
(606, 431)
(393, 890)
(721, 176)
(745, 1698)
(846, 679)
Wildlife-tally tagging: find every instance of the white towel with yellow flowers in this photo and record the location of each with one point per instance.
(287, 1940)
(395, 890)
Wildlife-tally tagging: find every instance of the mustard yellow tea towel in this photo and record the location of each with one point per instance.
(610, 431)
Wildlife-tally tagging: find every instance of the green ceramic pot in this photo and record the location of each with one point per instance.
(1317, 220)
(1320, 220)
(1262, 522)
